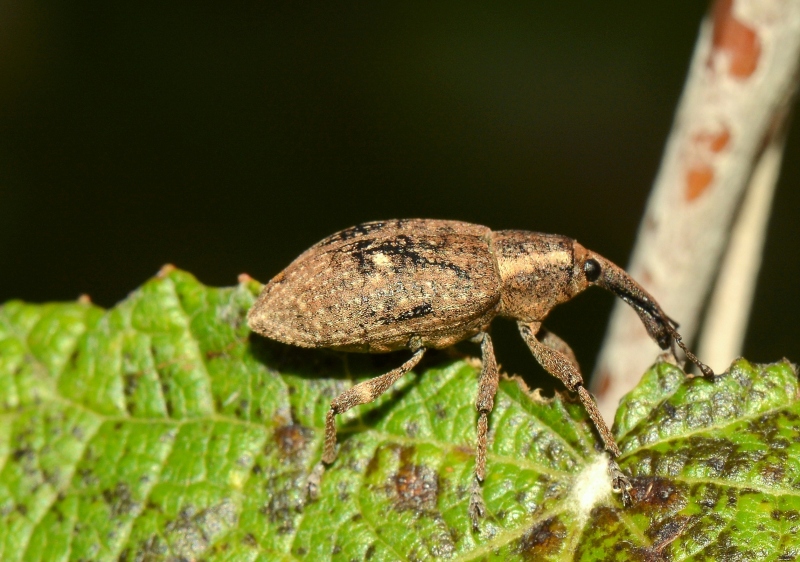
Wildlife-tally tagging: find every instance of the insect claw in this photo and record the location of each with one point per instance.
(314, 480)
(477, 507)
(705, 369)
(620, 483)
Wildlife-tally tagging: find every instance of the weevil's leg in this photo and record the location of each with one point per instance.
(362, 393)
(560, 366)
(487, 388)
(551, 340)
(556, 362)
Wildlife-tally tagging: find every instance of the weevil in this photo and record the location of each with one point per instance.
(420, 284)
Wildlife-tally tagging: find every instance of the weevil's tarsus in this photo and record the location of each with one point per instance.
(487, 389)
(477, 506)
(314, 480)
(620, 483)
(705, 369)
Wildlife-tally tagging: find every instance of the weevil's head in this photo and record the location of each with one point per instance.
(540, 271)
(590, 268)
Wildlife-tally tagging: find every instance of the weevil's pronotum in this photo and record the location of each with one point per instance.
(418, 284)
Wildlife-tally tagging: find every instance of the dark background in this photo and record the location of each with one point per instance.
(228, 138)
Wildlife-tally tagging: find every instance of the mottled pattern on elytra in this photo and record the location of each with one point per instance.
(375, 286)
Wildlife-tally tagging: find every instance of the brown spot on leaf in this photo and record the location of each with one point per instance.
(292, 440)
(544, 538)
(22, 452)
(194, 530)
(120, 500)
(733, 497)
(738, 41)
(416, 486)
(773, 474)
(663, 533)
(656, 494)
(131, 384)
(153, 548)
(373, 464)
(285, 493)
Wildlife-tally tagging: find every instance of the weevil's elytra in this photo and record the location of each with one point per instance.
(372, 287)
(418, 284)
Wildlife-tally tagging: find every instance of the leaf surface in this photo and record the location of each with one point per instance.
(162, 429)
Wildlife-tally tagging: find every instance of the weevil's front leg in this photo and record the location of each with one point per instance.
(557, 358)
(487, 388)
(362, 393)
(548, 338)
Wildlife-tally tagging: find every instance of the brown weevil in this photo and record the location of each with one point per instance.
(418, 284)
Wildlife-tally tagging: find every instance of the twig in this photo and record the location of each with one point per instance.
(740, 85)
(725, 323)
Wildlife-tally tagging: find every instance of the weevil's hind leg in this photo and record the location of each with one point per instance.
(487, 389)
(362, 393)
(557, 358)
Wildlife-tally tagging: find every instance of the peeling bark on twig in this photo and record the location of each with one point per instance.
(730, 118)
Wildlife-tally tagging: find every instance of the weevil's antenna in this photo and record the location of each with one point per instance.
(705, 369)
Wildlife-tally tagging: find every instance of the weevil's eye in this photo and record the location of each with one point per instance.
(592, 270)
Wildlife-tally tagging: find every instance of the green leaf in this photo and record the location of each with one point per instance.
(163, 430)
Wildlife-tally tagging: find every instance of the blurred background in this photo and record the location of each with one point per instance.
(229, 137)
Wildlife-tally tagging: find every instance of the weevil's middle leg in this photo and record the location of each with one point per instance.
(362, 393)
(557, 358)
(487, 389)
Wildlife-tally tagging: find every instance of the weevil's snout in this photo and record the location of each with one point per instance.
(608, 275)
(597, 270)
(603, 273)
